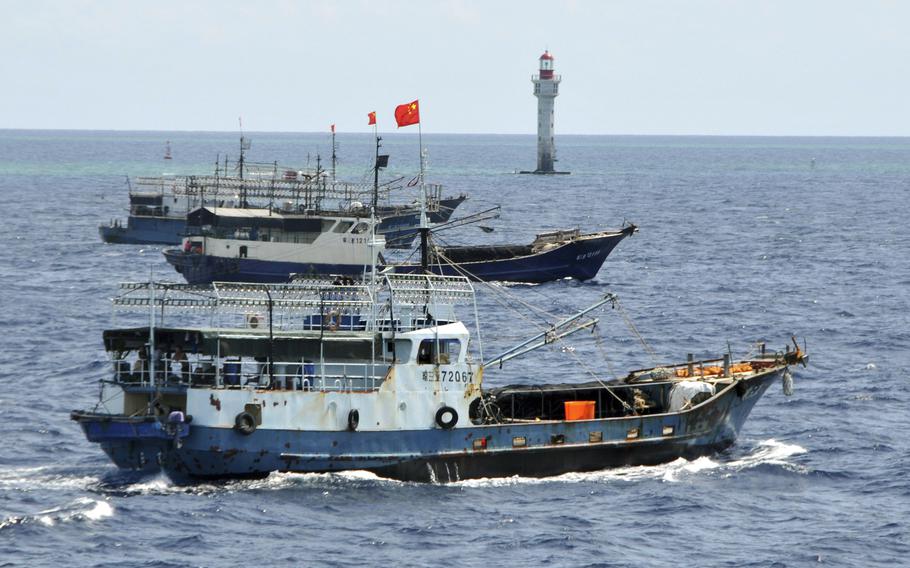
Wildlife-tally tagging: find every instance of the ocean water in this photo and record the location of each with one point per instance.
(741, 239)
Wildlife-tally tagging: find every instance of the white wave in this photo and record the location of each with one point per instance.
(286, 480)
(82, 509)
(42, 477)
(101, 510)
(770, 452)
(766, 452)
(160, 484)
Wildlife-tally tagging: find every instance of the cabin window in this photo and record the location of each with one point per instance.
(360, 228)
(403, 350)
(425, 353)
(438, 352)
(243, 251)
(343, 226)
(449, 351)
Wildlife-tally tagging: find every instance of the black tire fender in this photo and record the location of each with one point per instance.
(245, 423)
(741, 389)
(353, 419)
(441, 417)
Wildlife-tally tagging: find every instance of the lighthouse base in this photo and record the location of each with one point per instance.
(545, 173)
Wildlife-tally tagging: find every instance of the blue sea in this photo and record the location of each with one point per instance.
(741, 239)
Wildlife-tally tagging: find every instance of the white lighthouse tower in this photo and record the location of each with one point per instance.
(546, 88)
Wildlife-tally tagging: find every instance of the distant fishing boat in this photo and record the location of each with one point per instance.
(324, 376)
(551, 256)
(167, 150)
(157, 213)
(158, 206)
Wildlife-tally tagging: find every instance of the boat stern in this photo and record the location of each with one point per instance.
(132, 442)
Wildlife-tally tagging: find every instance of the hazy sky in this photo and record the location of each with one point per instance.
(771, 67)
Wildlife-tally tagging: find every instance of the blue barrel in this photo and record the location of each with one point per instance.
(232, 373)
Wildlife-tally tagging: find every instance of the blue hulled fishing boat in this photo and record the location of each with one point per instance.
(322, 375)
(261, 245)
(551, 256)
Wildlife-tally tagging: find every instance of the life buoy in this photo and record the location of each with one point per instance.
(245, 423)
(353, 419)
(442, 421)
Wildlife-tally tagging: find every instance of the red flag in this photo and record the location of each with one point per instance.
(372, 117)
(333, 129)
(407, 114)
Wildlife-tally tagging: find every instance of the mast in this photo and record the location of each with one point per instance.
(382, 161)
(321, 189)
(241, 150)
(334, 157)
(424, 226)
(376, 175)
(244, 145)
(150, 356)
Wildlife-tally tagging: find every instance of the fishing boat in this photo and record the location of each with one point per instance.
(159, 206)
(325, 375)
(550, 256)
(157, 213)
(262, 245)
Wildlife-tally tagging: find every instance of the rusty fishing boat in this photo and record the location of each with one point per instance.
(323, 375)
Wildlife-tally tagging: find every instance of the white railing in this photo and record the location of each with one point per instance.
(300, 375)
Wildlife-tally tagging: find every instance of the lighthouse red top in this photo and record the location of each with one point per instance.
(546, 65)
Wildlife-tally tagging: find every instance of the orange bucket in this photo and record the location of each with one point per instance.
(579, 409)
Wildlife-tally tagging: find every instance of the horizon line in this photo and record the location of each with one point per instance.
(531, 134)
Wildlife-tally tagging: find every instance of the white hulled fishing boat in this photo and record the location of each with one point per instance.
(324, 375)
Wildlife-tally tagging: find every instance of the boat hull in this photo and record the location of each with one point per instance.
(205, 269)
(581, 259)
(145, 230)
(438, 455)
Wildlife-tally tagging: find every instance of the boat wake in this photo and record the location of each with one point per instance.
(767, 452)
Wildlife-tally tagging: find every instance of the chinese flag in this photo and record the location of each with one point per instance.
(407, 114)
(372, 118)
(333, 129)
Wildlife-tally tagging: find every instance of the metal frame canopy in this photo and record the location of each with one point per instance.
(301, 294)
(268, 188)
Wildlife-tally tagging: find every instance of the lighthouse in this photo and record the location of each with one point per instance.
(546, 88)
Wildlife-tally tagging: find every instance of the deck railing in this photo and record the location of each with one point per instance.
(302, 375)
